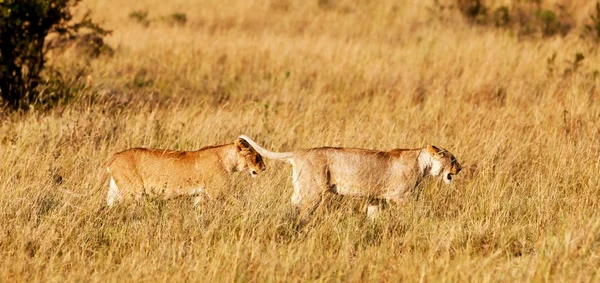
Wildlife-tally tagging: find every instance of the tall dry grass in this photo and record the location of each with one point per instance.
(298, 74)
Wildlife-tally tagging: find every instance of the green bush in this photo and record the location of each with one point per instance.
(24, 26)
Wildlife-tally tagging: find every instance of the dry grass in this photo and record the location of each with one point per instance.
(301, 74)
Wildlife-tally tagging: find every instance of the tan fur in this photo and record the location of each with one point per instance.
(166, 173)
(388, 176)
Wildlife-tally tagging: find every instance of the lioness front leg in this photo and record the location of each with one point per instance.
(198, 194)
(200, 198)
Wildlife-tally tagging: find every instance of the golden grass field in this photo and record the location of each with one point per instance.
(296, 74)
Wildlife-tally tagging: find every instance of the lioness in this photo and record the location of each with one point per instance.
(166, 173)
(388, 176)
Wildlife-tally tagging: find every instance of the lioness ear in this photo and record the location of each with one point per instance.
(433, 150)
(241, 144)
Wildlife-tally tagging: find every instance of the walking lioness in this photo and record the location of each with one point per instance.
(166, 173)
(388, 176)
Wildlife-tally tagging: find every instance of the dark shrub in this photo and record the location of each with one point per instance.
(24, 25)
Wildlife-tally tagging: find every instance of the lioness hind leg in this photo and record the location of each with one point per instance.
(200, 198)
(307, 208)
(306, 199)
(114, 195)
(124, 188)
(304, 212)
(197, 200)
(309, 186)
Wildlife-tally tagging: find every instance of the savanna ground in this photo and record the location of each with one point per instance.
(295, 74)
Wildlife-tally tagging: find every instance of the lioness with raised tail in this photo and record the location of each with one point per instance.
(381, 176)
(167, 173)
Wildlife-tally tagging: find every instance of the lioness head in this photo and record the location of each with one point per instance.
(248, 158)
(444, 163)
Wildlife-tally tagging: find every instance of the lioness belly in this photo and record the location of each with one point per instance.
(352, 190)
(166, 188)
(347, 190)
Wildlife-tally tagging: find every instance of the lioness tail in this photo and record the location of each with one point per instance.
(265, 152)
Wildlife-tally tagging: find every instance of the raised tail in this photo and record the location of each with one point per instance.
(267, 153)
